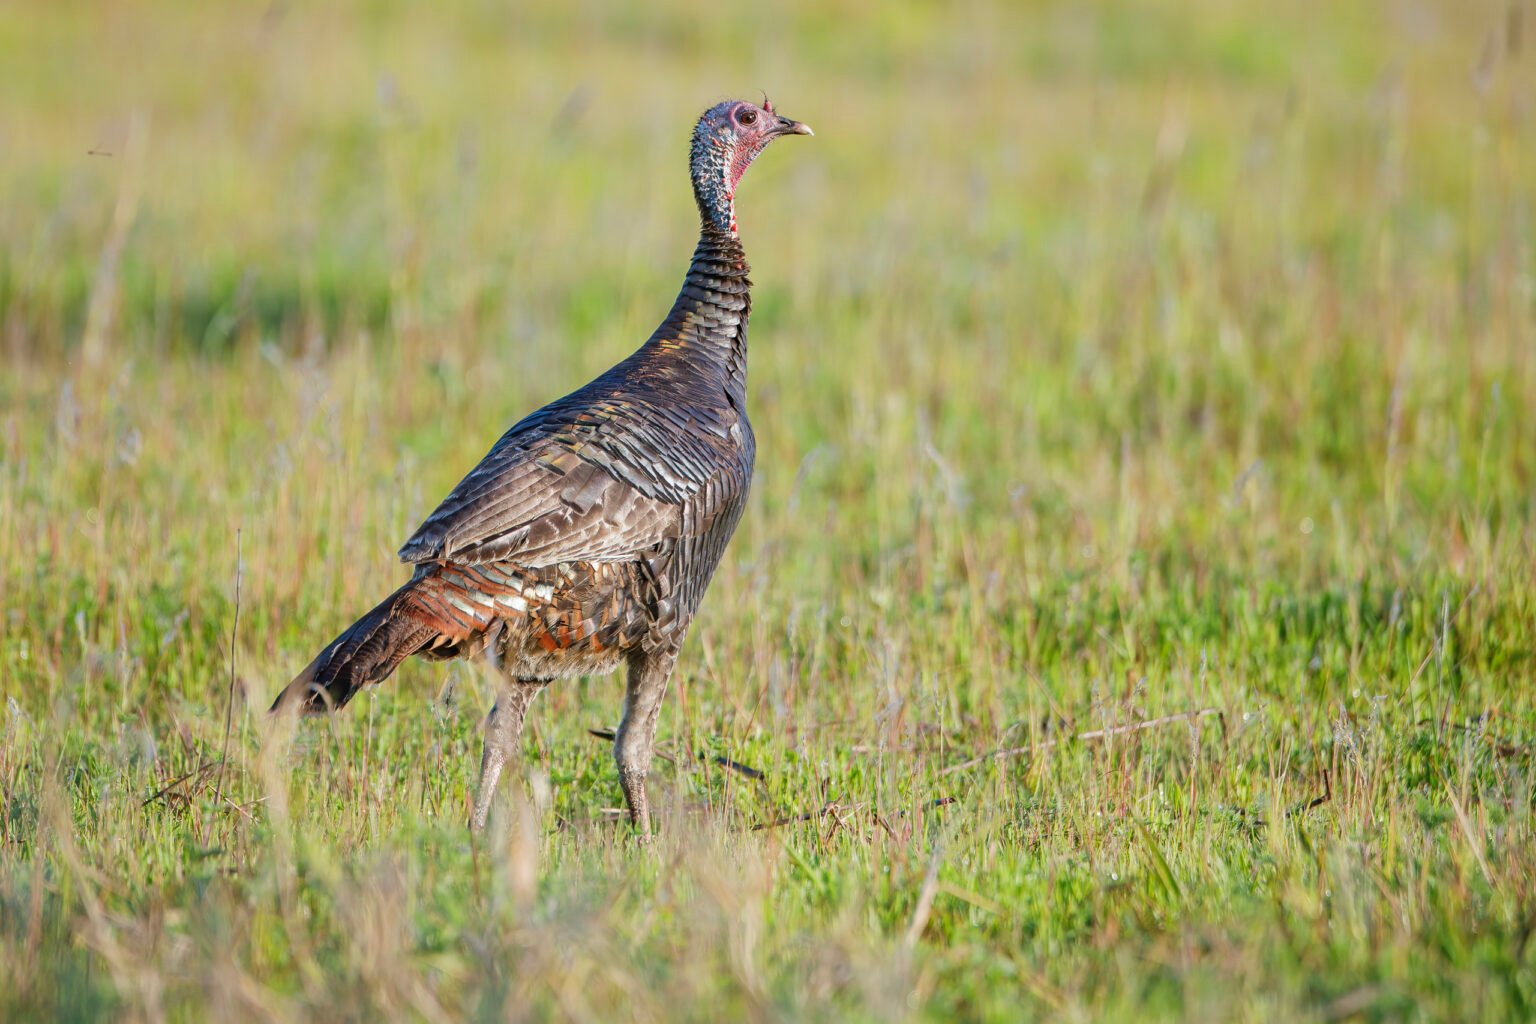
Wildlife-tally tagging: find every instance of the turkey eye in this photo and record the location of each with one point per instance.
(747, 117)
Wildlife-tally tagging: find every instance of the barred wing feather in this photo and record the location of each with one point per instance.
(603, 486)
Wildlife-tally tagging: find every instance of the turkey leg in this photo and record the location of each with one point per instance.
(647, 685)
(503, 737)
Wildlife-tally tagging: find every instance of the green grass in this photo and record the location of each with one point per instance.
(1110, 362)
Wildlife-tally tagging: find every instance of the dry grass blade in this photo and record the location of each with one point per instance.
(925, 897)
(229, 699)
(1474, 844)
(1090, 735)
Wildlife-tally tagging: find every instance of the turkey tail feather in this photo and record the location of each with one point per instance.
(365, 654)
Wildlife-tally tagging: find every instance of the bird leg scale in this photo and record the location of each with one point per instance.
(503, 736)
(647, 685)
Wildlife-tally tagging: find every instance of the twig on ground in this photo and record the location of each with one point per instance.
(724, 762)
(838, 822)
(739, 768)
(1092, 734)
(1316, 801)
(1352, 1004)
(794, 819)
(248, 815)
(201, 772)
(833, 807)
(610, 736)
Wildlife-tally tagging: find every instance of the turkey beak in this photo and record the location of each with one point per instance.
(787, 127)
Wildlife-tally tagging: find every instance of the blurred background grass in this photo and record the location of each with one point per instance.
(1110, 360)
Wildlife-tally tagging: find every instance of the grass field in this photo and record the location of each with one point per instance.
(1111, 362)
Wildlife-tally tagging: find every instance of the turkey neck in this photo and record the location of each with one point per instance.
(704, 337)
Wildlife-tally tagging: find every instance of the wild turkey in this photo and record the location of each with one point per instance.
(585, 538)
